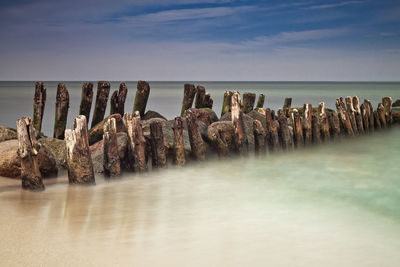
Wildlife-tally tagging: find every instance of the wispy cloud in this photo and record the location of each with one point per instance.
(334, 5)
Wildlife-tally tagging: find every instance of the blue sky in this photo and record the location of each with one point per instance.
(200, 40)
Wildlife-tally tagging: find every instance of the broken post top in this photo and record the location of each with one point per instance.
(39, 102)
(103, 90)
(142, 95)
(189, 92)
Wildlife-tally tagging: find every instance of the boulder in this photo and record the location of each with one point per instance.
(96, 133)
(396, 117)
(10, 163)
(58, 149)
(97, 152)
(7, 133)
(205, 115)
(248, 124)
(225, 130)
(258, 116)
(150, 114)
(396, 103)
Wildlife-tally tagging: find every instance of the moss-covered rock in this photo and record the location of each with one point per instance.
(248, 124)
(96, 133)
(150, 114)
(7, 134)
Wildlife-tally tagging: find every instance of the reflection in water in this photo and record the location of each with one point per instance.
(333, 205)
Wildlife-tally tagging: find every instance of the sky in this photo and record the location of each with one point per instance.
(213, 40)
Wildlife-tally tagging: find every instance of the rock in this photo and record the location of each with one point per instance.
(7, 133)
(10, 164)
(256, 115)
(96, 133)
(225, 130)
(58, 149)
(97, 152)
(205, 115)
(396, 117)
(248, 123)
(396, 103)
(150, 114)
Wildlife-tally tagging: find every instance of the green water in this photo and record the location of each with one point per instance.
(331, 205)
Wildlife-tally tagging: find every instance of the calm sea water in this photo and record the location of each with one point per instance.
(16, 98)
(331, 205)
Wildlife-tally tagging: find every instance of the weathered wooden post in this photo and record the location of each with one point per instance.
(284, 133)
(136, 142)
(344, 117)
(260, 101)
(208, 101)
(324, 122)
(103, 90)
(196, 141)
(158, 153)
(62, 106)
(118, 100)
(387, 105)
(370, 114)
(28, 149)
(189, 91)
(381, 114)
(86, 100)
(79, 161)
(377, 120)
(238, 123)
(259, 138)
(334, 125)
(351, 112)
(297, 129)
(307, 124)
(358, 115)
(179, 148)
(364, 114)
(200, 97)
(226, 104)
(142, 95)
(111, 162)
(287, 104)
(248, 102)
(39, 102)
(316, 129)
(272, 131)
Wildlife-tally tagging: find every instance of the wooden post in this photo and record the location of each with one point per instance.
(62, 106)
(208, 101)
(226, 104)
(103, 90)
(260, 101)
(248, 102)
(370, 114)
(377, 121)
(28, 149)
(189, 92)
(287, 105)
(358, 115)
(344, 117)
(364, 114)
(297, 129)
(39, 102)
(118, 100)
(111, 162)
(334, 125)
(272, 131)
(86, 100)
(316, 129)
(158, 153)
(142, 95)
(238, 123)
(284, 132)
(324, 122)
(259, 138)
(307, 124)
(196, 141)
(136, 142)
(200, 97)
(179, 148)
(387, 104)
(351, 112)
(381, 114)
(79, 161)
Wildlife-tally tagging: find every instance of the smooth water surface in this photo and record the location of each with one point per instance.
(331, 205)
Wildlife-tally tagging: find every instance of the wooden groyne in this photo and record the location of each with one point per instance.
(245, 126)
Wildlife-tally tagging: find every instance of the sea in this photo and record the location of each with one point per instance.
(336, 204)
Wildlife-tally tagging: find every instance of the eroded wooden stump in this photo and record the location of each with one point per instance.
(260, 101)
(118, 100)
(324, 122)
(158, 152)
(370, 114)
(381, 115)
(272, 131)
(358, 115)
(196, 141)
(248, 102)
(307, 124)
(298, 137)
(351, 113)
(238, 124)
(79, 161)
(103, 90)
(259, 138)
(86, 100)
(387, 105)
(344, 117)
(365, 116)
(287, 104)
(39, 102)
(226, 104)
(136, 142)
(334, 125)
(179, 148)
(111, 162)
(62, 106)
(28, 149)
(316, 129)
(142, 95)
(189, 92)
(284, 132)
(200, 97)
